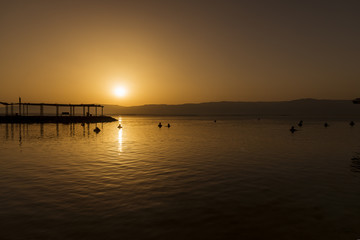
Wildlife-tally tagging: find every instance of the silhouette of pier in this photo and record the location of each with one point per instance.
(356, 101)
(22, 115)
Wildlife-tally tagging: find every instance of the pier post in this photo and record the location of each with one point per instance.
(6, 110)
(27, 110)
(19, 106)
(88, 110)
(20, 135)
(102, 110)
(41, 110)
(84, 111)
(57, 110)
(70, 110)
(12, 109)
(95, 110)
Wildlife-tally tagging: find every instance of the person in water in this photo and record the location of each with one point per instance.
(300, 123)
(168, 125)
(292, 129)
(160, 125)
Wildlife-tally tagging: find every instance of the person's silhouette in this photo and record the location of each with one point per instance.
(300, 123)
(292, 129)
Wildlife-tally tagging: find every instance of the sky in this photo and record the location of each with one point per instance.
(172, 52)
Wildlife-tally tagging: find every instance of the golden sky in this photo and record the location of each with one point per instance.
(174, 52)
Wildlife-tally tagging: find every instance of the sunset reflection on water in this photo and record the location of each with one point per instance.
(237, 177)
(120, 138)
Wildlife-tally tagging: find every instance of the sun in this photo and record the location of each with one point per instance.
(120, 91)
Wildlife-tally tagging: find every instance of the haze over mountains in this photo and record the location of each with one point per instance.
(296, 107)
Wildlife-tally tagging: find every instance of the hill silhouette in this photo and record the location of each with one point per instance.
(295, 107)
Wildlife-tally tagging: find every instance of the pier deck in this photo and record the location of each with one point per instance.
(56, 119)
(70, 116)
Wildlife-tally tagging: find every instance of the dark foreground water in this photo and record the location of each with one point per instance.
(238, 178)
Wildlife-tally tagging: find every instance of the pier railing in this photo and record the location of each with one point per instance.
(23, 108)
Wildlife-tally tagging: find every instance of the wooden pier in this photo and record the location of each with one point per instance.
(69, 116)
(356, 101)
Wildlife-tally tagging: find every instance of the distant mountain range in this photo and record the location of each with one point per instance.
(295, 107)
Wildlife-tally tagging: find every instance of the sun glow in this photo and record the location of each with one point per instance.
(120, 91)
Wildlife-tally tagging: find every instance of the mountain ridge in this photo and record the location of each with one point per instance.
(293, 107)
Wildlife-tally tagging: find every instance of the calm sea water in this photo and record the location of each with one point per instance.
(238, 178)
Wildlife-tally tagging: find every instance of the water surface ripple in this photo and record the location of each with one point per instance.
(238, 178)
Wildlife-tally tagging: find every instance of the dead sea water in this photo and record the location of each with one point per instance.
(238, 178)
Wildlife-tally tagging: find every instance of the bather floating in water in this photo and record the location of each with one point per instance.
(352, 123)
(292, 129)
(160, 125)
(168, 125)
(97, 130)
(326, 124)
(119, 126)
(300, 123)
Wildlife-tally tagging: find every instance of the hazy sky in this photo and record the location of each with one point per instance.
(177, 52)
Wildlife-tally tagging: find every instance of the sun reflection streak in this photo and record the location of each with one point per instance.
(120, 137)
